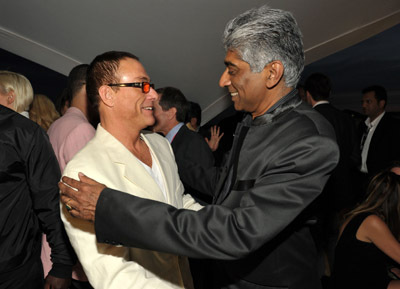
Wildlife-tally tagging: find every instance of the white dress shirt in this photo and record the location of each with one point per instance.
(371, 129)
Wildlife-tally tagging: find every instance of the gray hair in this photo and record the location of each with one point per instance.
(262, 35)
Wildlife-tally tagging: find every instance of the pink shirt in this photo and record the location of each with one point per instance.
(68, 135)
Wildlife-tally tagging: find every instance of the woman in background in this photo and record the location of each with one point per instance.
(369, 238)
(43, 111)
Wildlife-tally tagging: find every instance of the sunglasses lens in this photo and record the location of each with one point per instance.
(146, 87)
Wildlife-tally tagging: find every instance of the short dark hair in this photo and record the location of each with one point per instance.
(103, 70)
(61, 100)
(76, 79)
(319, 86)
(173, 97)
(194, 111)
(380, 92)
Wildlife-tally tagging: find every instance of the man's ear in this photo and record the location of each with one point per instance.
(107, 95)
(273, 73)
(381, 104)
(171, 113)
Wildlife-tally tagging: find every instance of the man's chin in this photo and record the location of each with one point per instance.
(237, 106)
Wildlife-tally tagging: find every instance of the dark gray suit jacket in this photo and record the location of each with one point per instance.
(257, 229)
(190, 148)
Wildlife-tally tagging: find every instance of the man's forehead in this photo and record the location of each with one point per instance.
(232, 58)
(132, 69)
(369, 95)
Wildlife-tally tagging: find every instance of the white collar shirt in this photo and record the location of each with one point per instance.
(371, 129)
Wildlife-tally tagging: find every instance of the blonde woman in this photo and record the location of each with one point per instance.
(43, 111)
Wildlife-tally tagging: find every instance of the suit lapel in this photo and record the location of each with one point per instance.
(228, 178)
(376, 137)
(163, 164)
(131, 168)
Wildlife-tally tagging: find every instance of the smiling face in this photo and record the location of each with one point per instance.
(130, 103)
(247, 89)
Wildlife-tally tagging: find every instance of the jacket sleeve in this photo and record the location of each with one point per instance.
(292, 181)
(43, 174)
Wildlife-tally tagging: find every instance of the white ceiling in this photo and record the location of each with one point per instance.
(179, 42)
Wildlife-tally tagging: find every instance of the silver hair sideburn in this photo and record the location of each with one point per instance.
(261, 35)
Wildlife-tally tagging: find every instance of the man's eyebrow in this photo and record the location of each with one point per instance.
(143, 78)
(228, 63)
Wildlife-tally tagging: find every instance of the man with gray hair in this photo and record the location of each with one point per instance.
(257, 230)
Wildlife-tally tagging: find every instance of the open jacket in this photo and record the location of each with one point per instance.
(108, 266)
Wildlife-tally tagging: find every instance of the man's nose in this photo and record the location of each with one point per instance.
(152, 94)
(225, 79)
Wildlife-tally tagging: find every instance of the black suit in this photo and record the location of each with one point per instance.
(256, 230)
(190, 147)
(385, 144)
(339, 191)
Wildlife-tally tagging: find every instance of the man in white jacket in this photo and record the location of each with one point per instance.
(124, 158)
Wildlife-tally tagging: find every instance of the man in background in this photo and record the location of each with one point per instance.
(380, 134)
(68, 135)
(170, 114)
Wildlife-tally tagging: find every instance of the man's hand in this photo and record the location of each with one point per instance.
(80, 197)
(52, 282)
(213, 142)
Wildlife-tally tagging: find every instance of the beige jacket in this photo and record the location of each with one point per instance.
(106, 160)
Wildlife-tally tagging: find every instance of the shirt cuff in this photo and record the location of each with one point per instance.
(61, 271)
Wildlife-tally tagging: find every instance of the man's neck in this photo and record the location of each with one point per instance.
(173, 131)
(80, 102)
(124, 132)
(170, 126)
(275, 95)
(375, 117)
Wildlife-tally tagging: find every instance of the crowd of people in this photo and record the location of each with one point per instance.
(305, 197)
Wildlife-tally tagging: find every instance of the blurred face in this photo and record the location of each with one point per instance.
(371, 106)
(161, 117)
(3, 99)
(131, 103)
(247, 89)
(396, 170)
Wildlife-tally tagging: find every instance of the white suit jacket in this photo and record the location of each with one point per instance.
(108, 161)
